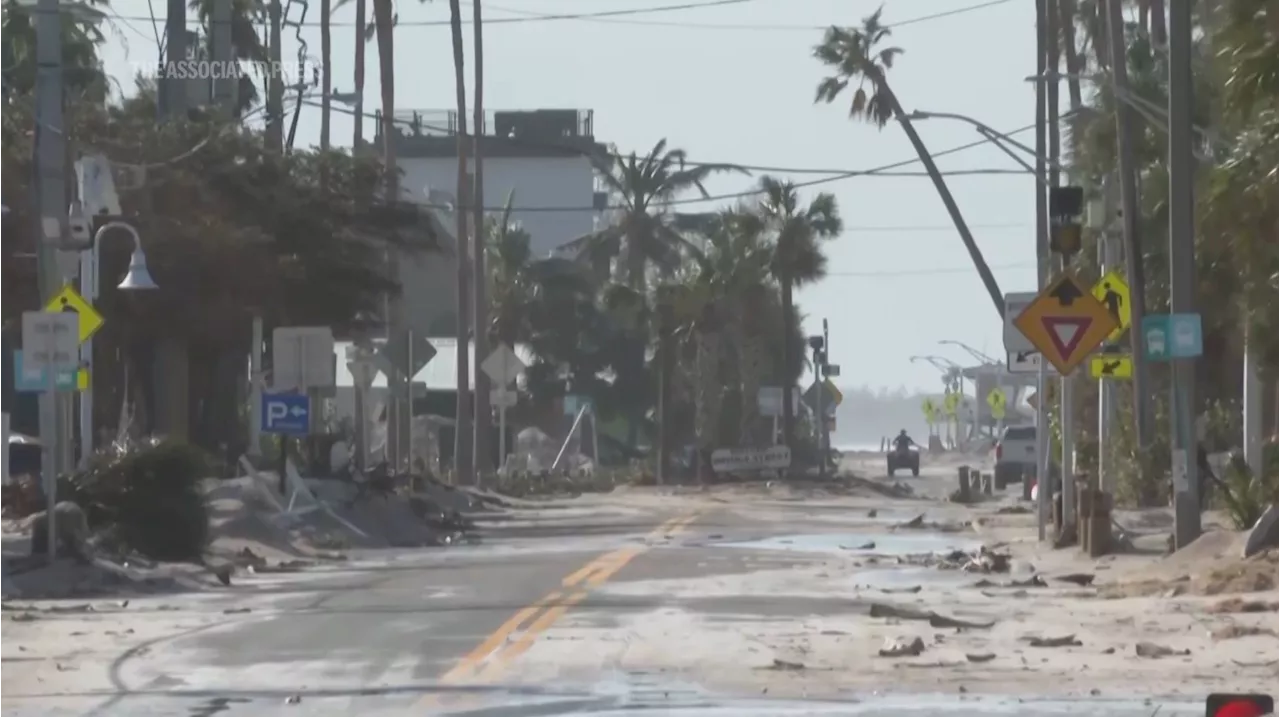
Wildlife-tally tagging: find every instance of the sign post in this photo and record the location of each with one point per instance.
(503, 367)
(50, 344)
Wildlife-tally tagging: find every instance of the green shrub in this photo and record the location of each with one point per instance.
(147, 496)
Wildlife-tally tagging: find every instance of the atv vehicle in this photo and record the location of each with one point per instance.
(903, 458)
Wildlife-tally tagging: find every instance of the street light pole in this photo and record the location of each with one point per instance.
(1042, 272)
(1182, 271)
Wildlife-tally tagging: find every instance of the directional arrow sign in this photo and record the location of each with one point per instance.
(1111, 366)
(1065, 323)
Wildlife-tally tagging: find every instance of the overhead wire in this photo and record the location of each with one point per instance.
(833, 175)
(926, 272)
(741, 26)
(553, 17)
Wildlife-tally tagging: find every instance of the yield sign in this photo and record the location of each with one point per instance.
(1066, 323)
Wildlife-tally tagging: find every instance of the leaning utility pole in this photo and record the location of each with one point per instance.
(1182, 271)
(479, 284)
(1109, 260)
(275, 83)
(1042, 269)
(1135, 274)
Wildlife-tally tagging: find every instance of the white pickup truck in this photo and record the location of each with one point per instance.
(1015, 454)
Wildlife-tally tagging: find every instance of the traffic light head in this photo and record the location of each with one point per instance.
(1239, 706)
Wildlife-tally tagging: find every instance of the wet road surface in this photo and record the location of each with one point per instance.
(439, 631)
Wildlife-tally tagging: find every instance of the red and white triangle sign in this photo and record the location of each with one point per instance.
(1066, 332)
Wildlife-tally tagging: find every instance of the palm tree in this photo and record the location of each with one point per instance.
(462, 435)
(733, 270)
(510, 278)
(481, 310)
(643, 236)
(856, 54)
(798, 259)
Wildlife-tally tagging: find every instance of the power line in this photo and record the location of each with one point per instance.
(522, 20)
(832, 174)
(925, 272)
(741, 26)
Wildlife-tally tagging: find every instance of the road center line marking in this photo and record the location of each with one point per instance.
(490, 655)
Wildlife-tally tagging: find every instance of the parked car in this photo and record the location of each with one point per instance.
(1015, 455)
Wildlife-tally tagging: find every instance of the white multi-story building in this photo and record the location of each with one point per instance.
(538, 158)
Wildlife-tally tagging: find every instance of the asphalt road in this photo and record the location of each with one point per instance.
(436, 632)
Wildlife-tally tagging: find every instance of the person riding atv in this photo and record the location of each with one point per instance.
(903, 442)
(902, 456)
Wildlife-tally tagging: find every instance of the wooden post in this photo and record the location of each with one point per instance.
(964, 496)
(988, 483)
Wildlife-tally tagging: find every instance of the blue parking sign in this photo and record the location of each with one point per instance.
(286, 413)
(1167, 337)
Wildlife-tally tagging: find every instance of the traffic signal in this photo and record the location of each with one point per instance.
(1066, 207)
(1239, 706)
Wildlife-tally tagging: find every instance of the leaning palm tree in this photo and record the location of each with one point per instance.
(858, 58)
(642, 236)
(798, 232)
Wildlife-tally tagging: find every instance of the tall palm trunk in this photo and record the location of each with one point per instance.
(382, 13)
(975, 254)
(1067, 24)
(462, 434)
(358, 119)
(480, 324)
(708, 395)
(326, 84)
(788, 362)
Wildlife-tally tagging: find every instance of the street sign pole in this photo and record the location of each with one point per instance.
(50, 451)
(1182, 272)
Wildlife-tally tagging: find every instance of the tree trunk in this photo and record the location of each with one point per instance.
(1067, 23)
(326, 75)
(788, 361)
(750, 364)
(358, 116)
(1159, 30)
(479, 327)
(708, 395)
(382, 12)
(462, 455)
(975, 254)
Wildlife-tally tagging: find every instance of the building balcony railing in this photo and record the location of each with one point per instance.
(542, 125)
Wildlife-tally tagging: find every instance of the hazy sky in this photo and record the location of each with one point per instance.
(735, 83)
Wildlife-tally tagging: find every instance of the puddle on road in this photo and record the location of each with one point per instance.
(909, 576)
(861, 543)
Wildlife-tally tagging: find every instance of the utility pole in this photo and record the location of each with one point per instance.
(326, 76)
(171, 91)
(51, 166)
(1182, 271)
(479, 280)
(1066, 392)
(1042, 270)
(825, 445)
(1109, 260)
(357, 119)
(1135, 272)
(275, 83)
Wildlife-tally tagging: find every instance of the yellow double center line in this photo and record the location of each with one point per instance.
(504, 645)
